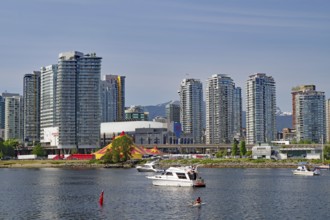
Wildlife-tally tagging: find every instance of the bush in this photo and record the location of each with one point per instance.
(221, 153)
(38, 150)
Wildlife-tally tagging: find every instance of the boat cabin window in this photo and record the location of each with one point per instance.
(181, 175)
(169, 174)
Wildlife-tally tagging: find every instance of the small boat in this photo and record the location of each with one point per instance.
(178, 176)
(149, 167)
(305, 171)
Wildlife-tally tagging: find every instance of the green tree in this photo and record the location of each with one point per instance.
(242, 148)
(305, 141)
(221, 153)
(8, 147)
(326, 152)
(115, 156)
(234, 149)
(294, 142)
(1, 148)
(107, 158)
(248, 153)
(121, 149)
(38, 150)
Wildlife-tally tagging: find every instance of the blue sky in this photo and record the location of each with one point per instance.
(157, 43)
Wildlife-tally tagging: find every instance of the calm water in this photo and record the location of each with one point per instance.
(55, 193)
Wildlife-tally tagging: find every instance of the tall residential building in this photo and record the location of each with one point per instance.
(2, 107)
(48, 80)
(2, 112)
(238, 134)
(191, 109)
(310, 117)
(260, 109)
(294, 92)
(78, 113)
(328, 120)
(31, 107)
(221, 96)
(172, 112)
(14, 118)
(113, 98)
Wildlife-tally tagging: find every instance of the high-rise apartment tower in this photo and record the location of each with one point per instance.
(2, 112)
(222, 110)
(309, 115)
(48, 80)
(14, 117)
(78, 113)
(173, 112)
(294, 92)
(328, 120)
(113, 98)
(260, 109)
(31, 107)
(191, 108)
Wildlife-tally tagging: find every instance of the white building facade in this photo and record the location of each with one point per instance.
(48, 81)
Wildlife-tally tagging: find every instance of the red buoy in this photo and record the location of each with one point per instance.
(101, 198)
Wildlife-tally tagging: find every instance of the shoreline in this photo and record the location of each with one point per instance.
(163, 164)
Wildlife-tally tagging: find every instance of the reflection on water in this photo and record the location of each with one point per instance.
(55, 193)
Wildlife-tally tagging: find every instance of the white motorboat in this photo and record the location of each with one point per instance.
(305, 171)
(149, 167)
(178, 176)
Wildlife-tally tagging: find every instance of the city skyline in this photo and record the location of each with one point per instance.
(156, 44)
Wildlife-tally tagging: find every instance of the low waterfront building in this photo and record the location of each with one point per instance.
(300, 152)
(261, 151)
